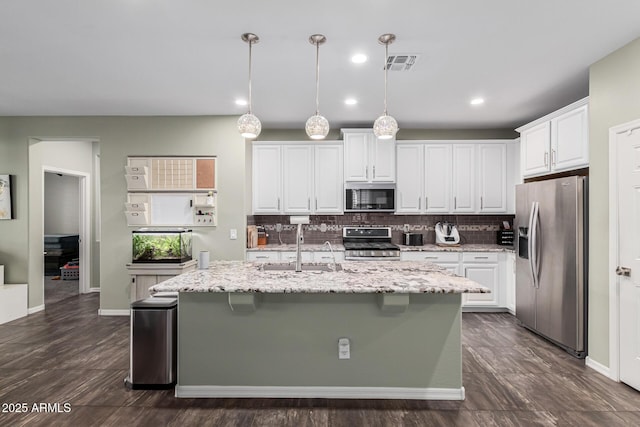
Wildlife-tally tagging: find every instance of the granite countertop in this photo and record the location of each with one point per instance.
(356, 277)
(471, 247)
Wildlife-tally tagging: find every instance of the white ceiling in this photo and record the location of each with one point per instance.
(185, 57)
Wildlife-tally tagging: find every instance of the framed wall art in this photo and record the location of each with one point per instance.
(6, 211)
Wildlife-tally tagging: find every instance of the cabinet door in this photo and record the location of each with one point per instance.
(298, 178)
(486, 275)
(356, 156)
(140, 286)
(453, 268)
(383, 160)
(492, 182)
(263, 256)
(267, 179)
(570, 140)
(437, 178)
(409, 178)
(534, 147)
(464, 160)
(328, 180)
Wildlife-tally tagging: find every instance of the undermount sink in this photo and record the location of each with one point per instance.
(305, 267)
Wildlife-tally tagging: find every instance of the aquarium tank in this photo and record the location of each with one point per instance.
(161, 246)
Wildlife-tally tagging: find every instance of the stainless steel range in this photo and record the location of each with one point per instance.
(369, 243)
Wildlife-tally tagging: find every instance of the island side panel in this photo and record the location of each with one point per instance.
(292, 340)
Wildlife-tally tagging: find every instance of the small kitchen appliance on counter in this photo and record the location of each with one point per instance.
(447, 234)
(412, 239)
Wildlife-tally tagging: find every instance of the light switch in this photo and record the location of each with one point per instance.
(233, 234)
(344, 350)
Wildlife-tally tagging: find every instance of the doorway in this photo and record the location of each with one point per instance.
(624, 260)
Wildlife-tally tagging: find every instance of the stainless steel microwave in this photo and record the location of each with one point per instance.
(370, 198)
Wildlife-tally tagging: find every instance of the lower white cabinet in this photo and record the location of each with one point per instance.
(290, 256)
(143, 276)
(490, 269)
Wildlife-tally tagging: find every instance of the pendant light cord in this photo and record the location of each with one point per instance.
(317, 78)
(250, 43)
(386, 55)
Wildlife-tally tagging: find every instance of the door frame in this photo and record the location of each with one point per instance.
(84, 200)
(614, 256)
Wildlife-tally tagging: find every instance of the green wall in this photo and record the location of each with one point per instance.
(614, 98)
(119, 137)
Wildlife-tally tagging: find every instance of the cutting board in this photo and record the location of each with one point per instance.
(252, 236)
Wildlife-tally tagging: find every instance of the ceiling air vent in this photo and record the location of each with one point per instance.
(401, 62)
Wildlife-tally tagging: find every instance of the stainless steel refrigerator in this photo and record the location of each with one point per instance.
(551, 266)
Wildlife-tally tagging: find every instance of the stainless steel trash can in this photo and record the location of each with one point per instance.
(153, 344)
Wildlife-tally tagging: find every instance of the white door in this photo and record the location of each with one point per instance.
(437, 178)
(534, 147)
(570, 140)
(356, 156)
(328, 182)
(492, 183)
(628, 159)
(298, 176)
(267, 179)
(409, 178)
(383, 160)
(464, 161)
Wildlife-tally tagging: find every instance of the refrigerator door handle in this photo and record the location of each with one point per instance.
(535, 245)
(530, 242)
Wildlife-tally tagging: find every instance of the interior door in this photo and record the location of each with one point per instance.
(628, 144)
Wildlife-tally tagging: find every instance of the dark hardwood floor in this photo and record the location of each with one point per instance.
(68, 354)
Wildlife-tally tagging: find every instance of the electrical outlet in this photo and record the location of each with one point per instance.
(406, 228)
(233, 234)
(278, 227)
(344, 348)
(323, 228)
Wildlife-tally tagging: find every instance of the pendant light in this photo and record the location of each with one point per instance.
(385, 126)
(317, 126)
(249, 125)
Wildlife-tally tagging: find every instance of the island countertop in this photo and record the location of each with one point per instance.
(405, 277)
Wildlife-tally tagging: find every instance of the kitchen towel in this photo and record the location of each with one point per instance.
(203, 260)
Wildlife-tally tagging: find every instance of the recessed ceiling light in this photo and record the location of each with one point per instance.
(477, 101)
(241, 102)
(351, 101)
(359, 58)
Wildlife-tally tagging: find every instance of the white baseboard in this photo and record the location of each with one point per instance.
(598, 367)
(110, 312)
(94, 289)
(35, 309)
(321, 392)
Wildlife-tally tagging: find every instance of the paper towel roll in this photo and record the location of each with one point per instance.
(203, 260)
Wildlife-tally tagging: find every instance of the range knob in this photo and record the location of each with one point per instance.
(373, 253)
(361, 253)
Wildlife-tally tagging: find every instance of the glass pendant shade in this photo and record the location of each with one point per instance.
(385, 127)
(317, 127)
(249, 126)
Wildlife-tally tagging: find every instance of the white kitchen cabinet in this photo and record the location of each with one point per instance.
(367, 158)
(448, 260)
(556, 142)
(267, 179)
(290, 256)
(483, 268)
(143, 276)
(297, 168)
(463, 182)
(328, 179)
(510, 282)
(263, 256)
(409, 189)
(570, 140)
(437, 178)
(492, 178)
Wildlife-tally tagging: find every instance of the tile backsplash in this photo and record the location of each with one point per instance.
(477, 229)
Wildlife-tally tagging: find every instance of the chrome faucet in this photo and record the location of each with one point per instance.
(298, 251)
(333, 266)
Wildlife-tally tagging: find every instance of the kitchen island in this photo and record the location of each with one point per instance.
(246, 331)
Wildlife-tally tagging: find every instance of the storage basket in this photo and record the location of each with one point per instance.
(69, 273)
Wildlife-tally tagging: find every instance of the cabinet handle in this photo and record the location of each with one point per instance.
(546, 158)
(553, 157)
(419, 202)
(431, 257)
(262, 256)
(426, 203)
(366, 172)
(374, 171)
(481, 257)
(481, 203)
(316, 203)
(308, 203)
(278, 203)
(455, 203)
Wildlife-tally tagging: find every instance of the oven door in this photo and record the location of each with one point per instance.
(366, 198)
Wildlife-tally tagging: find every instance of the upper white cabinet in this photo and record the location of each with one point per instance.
(267, 179)
(492, 178)
(453, 177)
(556, 142)
(297, 178)
(367, 158)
